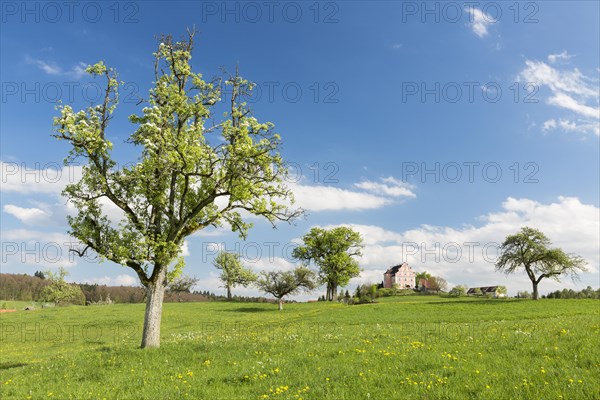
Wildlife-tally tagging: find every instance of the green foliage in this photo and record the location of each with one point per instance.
(530, 249)
(182, 284)
(332, 251)
(421, 275)
(587, 293)
(60, 292)
(459, 290)
(233, 272)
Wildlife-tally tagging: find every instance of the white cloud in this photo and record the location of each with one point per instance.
(559, 81)
(329, 198)
(458, 255)
(397, 46)
(388, 187)
(51, 68)
(48, 67)
(572, 126)
(565, 101)
(550, 124)
(212, 231)
(268, 264)
(185, 249)
(33, 247)
(78, 70)
(50, 178)
(564, 56)
(479, 21)
(570, 90)
(28, 216)
(120, 280)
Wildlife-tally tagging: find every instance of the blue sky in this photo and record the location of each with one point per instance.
(427, 126)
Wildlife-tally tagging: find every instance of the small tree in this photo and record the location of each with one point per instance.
(373, 292)
(530, 249)
(421, 275)
(284, 283)
(233, 272)
(182, 284)
(501, 291)
(477, 292)
(332, 251)
(59, 291)
(39, 274)
(459, 290)
(523, 295)
(437, 284)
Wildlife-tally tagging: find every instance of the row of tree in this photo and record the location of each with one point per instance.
(587, 293)
(331, 251)
(50, 287)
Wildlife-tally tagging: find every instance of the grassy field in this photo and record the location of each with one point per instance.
(403, 347)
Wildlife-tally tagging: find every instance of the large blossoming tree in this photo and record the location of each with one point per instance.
(187, 176)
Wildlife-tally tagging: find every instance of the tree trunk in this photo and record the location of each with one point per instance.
(228, 292)
(535, 291)
(155, 293)
(331, 292)
(280, 304)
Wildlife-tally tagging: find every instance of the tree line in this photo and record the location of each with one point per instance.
(48, 287)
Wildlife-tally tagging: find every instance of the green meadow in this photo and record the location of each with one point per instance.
(401, 347)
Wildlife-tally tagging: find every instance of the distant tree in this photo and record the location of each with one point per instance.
(373, 292)
(59, 291)
(421, 275)
(233, 272)
(523, 295)
(587, 293)
(477, 292)
(501, 290)
(347, 295)
(182, 284)
(39, 274)
(530, 249)
(284, 283)
(437, 283)
(332, 251)
(458, 290)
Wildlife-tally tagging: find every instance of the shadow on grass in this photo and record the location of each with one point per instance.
(11, 365)
(250, 309)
